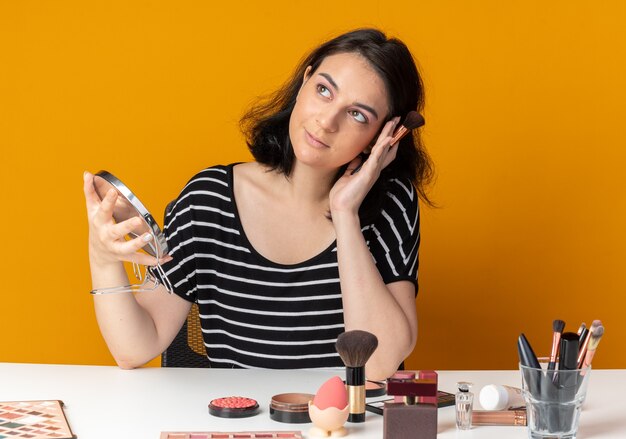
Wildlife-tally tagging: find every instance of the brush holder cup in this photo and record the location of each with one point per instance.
(554, 400)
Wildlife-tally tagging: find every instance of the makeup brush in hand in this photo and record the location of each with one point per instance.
(413, 120)
(355, 348)
(557, 330)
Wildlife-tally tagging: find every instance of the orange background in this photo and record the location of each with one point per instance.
(524, 101)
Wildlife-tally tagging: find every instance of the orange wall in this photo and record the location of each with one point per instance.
(523, 122)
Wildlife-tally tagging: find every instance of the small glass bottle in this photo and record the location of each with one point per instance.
(464, 402)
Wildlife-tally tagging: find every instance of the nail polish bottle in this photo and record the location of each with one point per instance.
(416, 415)
(464, 404)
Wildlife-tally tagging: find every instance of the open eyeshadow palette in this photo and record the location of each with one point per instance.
(233, 435)
(34, 420)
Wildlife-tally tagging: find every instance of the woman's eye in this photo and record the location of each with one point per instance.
(358, 116)
(323, 91)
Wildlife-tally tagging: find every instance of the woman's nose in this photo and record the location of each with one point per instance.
(328, 120)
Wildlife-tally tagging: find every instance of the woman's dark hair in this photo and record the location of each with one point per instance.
(266, 124)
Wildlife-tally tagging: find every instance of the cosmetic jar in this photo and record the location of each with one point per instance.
(291, 408)
(499, 397)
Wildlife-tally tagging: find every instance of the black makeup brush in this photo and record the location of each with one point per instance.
(355, 348)
(557, 328)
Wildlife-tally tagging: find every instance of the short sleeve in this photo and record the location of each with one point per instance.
(395, 235)
(179, 231)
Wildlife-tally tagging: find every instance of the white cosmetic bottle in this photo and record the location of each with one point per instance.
(499, 397)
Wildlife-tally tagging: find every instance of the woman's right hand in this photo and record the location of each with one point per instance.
(107, 243)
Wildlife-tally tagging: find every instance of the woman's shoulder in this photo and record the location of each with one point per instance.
(212, 177)
(401, 195)
(215, 172)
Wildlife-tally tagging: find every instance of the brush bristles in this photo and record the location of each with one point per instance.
(558, 326)
(413, 120)
(596, 334)
(356, 347)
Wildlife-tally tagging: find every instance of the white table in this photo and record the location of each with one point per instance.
(107, 402)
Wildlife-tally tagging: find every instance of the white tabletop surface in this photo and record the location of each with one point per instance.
(107, 402)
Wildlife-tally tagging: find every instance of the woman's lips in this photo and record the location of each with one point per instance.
(314, 141)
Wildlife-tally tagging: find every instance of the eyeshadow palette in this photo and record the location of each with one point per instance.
(232, 435)
(34, 420)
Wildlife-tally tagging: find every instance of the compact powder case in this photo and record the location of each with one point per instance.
(374, 389)
(233, 407)
(292, 408)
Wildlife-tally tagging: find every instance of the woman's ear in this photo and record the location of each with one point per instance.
(305, 78)
(307, 73)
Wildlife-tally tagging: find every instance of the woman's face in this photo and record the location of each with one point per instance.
(339, 111)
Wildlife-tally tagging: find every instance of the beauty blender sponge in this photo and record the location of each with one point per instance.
(332, 393)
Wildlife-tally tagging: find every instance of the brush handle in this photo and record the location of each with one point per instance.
(355, 381)
(556, 339)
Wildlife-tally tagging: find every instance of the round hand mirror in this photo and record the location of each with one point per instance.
(128, 206)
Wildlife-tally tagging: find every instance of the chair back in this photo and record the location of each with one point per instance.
(187, 348)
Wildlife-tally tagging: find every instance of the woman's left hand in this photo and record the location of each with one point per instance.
(350, 190)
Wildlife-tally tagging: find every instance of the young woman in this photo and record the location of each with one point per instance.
(285, 253)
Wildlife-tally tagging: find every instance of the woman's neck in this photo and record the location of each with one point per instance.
(309, 184)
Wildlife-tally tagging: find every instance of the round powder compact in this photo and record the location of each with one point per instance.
(375, 388)
(233, 407)
(292, 408)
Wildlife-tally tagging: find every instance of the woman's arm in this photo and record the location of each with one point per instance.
(136, 327)
(388, 311)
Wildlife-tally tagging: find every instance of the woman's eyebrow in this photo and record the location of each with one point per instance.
(358, 104)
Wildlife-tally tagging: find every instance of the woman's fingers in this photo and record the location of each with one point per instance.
(105, 211)
(91, 197)
(130, 250)
(390, 155)
(384, 140)
(124, 228)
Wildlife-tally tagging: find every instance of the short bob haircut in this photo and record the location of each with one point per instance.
(266, 124)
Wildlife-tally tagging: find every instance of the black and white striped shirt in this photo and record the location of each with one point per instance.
(256, 313)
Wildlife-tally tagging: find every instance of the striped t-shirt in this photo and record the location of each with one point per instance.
(256, 313)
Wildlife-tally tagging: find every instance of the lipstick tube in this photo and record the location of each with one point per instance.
(499, 417)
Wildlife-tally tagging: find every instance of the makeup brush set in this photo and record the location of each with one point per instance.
(570, 350)
(555, 387)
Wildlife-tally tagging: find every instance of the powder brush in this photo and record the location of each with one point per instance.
(413, 120)
(355, 348)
